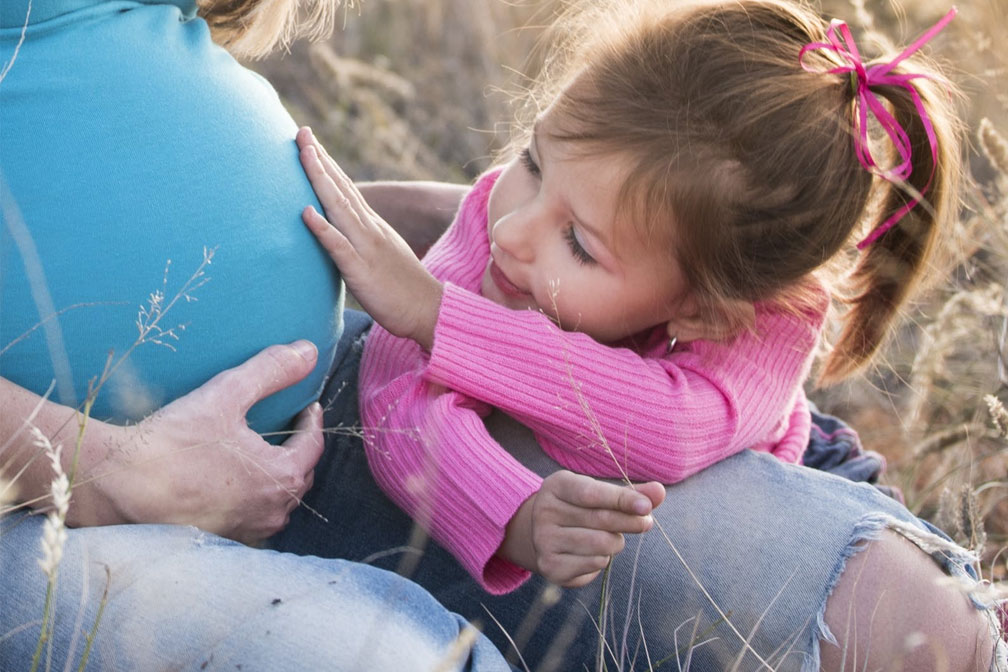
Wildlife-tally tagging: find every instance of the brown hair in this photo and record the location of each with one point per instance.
(253, 28)
(751, 154)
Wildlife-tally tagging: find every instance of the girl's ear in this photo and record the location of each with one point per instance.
(728, 320)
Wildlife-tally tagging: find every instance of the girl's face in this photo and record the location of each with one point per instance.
(556, 245)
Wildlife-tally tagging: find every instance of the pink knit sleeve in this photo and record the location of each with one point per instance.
(791, 447)
(427, 446)
(430, 452)
(610, 412)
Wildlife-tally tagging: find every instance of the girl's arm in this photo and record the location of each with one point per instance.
(431, 453)
(193, 462)
(609, 411)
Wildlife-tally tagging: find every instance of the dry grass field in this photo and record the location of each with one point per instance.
(420, 89)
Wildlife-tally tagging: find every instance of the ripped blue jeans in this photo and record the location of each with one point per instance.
(736, 571)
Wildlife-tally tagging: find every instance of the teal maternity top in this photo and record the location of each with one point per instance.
(132, 149)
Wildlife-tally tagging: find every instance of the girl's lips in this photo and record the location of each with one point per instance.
(507, 287)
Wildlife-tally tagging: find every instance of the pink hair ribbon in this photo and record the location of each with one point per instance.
(842, 43)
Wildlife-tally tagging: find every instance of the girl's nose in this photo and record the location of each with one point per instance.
(514, 234)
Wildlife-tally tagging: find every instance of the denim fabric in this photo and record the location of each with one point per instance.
(738, 568)
(181, 599)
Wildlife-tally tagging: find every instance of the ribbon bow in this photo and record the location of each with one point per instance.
(863, 79)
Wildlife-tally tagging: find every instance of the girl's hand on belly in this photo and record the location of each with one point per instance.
(376, 263)
(196, 462)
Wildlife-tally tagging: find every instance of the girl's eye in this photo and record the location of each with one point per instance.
(577, 249)
(529, 163)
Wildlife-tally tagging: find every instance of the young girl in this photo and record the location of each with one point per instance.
(643, 284)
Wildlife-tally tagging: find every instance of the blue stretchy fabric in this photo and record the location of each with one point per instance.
(127, 140)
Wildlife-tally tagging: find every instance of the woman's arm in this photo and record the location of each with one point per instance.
(193, 462)
(419, 211)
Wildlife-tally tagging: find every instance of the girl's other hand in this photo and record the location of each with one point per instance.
(574, 524)
(196, 462)
(376, 263)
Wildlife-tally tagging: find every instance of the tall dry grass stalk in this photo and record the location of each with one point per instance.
(54, 535)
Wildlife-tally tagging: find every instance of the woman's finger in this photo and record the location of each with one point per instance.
(271, 370)
(306, 442)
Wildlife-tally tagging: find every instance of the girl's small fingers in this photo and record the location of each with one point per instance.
(322, 150)
(587, 542)
(343, 181)
(331, 238)
(583, 580)
(322, 182)
(332, 170)
(590, 493)
(603, 520)
(311, 146)
(347, 187)
(572, 570)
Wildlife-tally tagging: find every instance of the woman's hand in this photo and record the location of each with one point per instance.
(574, 524)
(196, 461)
(377, 265)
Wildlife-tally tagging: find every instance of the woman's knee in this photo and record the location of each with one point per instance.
(893, 608)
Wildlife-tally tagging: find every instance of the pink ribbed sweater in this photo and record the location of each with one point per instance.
(597, 409)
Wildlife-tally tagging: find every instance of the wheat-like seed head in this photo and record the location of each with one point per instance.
(54, 534)
(993, 145)
(999, 415)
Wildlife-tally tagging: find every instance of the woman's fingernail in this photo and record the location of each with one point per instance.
(641, 506)
(304, 349)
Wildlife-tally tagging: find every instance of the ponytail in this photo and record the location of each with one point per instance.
(893, 265)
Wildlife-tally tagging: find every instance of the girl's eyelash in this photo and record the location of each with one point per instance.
(577, 250)
(529, 163)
